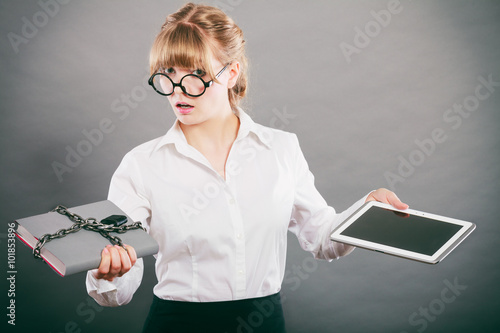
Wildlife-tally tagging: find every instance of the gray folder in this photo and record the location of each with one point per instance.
(80, 251)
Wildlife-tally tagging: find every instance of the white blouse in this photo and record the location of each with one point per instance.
(220, 239)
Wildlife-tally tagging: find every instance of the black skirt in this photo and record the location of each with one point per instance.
(254, 315)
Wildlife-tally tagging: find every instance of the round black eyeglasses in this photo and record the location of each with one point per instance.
(191, 84)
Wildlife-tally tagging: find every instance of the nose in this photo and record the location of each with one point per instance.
(178, 90)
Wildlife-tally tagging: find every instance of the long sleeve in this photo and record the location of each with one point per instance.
(119, 291)
(126, 191)
(312, 220)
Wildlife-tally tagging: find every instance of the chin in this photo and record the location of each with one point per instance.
(187, 119)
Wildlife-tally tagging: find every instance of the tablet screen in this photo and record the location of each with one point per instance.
(404, 231)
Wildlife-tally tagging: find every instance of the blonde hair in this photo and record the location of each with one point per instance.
(193, 34)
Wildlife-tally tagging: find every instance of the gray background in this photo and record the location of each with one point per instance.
(355, 120)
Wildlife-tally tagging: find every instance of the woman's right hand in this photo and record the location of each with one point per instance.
(115, 262)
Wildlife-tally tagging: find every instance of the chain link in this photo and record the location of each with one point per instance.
(90, 224)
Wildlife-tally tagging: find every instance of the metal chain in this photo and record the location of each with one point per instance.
(90, 224)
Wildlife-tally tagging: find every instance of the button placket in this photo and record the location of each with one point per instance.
(240, 263)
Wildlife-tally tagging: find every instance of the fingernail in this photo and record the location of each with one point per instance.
(105, 251)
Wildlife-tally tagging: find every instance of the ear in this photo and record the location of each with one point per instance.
(234, 72)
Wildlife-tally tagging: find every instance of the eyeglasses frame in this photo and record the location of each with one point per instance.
(205, 84)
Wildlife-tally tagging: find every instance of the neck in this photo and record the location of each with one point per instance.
(216, 132)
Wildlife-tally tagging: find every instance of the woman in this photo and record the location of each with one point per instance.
(218, 192)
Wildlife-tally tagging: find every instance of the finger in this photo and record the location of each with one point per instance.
(132, 254)
(393, 199)
(376, 196)
(116, 263)
(385, 196)
(125, 260)
(104, 265)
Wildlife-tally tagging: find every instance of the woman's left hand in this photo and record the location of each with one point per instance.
(388, 197)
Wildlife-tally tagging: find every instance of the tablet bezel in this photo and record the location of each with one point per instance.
(439, 255)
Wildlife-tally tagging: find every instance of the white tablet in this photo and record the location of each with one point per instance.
(406, 233)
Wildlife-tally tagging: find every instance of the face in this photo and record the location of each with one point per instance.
(213, 104)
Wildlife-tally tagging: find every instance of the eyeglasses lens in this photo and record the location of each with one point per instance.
(192, 84)
(163, 84)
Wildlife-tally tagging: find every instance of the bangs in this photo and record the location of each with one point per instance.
(183, 46)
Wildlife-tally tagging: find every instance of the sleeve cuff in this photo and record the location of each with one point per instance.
(117, 292)
(341, 249)
(99, 285)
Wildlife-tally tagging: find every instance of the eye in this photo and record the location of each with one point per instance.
(169, 70)
(199, 72)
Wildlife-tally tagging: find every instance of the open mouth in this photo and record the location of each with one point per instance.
(183, 106)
